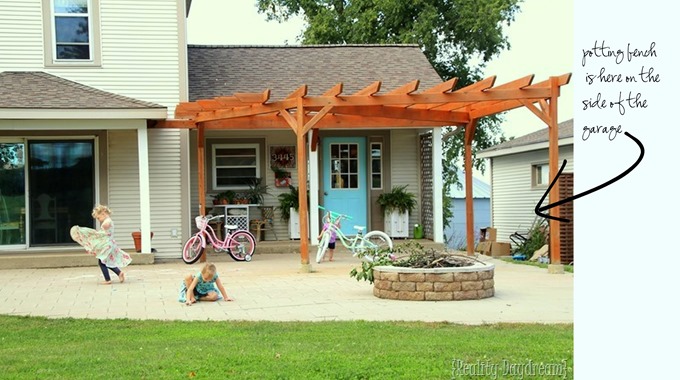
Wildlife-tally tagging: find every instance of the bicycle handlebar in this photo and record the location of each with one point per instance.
(336, 215)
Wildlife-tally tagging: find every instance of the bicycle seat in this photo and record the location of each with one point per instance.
(359, 228)
(231, 227)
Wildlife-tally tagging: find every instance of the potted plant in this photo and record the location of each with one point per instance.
(224, 197)
(256, 191)
(396, 205)
(281, 177)
(289, 204)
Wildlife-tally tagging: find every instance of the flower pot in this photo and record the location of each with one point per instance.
(137, 237)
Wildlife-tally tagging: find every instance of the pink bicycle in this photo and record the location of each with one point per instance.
(239, 244)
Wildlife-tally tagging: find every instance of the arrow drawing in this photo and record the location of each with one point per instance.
(538, 209)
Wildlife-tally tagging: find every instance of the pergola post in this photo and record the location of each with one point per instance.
(200, 152)
(469, 209)
(553, 157)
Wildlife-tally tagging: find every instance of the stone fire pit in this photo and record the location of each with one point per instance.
(434, 284)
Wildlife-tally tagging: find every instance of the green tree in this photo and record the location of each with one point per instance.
(458, 37)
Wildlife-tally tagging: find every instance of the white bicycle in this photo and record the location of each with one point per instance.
(359, 245)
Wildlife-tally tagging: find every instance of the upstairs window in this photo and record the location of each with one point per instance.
(72, 32)
(72, 29)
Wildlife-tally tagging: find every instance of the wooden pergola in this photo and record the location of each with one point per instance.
(403, 107)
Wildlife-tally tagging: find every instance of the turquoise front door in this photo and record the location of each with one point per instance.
(344, 179)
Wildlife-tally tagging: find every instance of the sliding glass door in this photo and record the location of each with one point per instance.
(61, 189)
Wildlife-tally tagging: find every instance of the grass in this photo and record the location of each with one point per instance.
(567, 268)
(40, 348)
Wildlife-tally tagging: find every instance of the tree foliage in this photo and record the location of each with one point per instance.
(458, 37)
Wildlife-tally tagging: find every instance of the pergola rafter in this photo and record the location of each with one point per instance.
(402, 107)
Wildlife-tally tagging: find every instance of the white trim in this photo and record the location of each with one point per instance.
(144, 188)
(524, 148)
(62, 125)
(313, 176)
(437, 186)
(125, 113)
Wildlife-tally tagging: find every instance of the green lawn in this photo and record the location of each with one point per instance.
(40, 348)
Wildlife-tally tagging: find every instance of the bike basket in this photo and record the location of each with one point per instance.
(201, 222)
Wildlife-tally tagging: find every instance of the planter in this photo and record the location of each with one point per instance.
(396, 224)
(434, 284)
(137, 237)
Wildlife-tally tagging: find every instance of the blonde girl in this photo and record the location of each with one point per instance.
(203, 286)
(102, 245)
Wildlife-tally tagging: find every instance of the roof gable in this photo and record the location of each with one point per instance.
(565, 130)
(40, 90)
(218, 70)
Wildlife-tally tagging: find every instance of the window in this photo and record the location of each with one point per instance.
(344, 166)
(235, 165)
(71, 30)
(540, 175)
(376, 166)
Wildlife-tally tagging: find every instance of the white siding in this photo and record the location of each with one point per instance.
(405, 167)
(123, 176)
(513, 199)
(166, 192)
(140, 48)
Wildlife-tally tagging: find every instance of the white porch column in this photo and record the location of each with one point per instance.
(437, 186)
(144, 188)
(313, 190)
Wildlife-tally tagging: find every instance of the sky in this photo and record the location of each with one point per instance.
(236, 22)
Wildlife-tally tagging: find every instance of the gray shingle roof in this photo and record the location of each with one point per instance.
(39, 90)
(565, 130)
(224, 70)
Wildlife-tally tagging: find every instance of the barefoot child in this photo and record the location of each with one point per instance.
(334, 236)
(204, 286)
(101, 244)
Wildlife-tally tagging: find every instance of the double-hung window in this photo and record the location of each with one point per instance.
(235, 166)
(539, 175)
(72, 29)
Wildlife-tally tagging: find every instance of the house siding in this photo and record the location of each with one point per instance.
(513, 199)
(405, 167)
(123, 186)
(140, 48)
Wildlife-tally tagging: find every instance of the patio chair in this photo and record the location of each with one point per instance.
(522, 236)
(266, 223)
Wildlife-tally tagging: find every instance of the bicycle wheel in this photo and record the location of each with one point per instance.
(193, 248)
(375, 241)
(242, 246)
(323, 245)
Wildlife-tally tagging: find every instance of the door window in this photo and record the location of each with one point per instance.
(344, 170)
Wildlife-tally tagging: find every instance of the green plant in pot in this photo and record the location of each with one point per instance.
(224, 197)
(287, 201)
(256, 191)
(398, 199)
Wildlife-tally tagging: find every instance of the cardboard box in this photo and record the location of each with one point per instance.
(487, 234)
(484, 247)
(500, 249)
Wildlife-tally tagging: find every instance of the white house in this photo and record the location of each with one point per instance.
(79, 83)
(519, 178)
(455, 233)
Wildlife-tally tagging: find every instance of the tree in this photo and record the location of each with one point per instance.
(458, 37)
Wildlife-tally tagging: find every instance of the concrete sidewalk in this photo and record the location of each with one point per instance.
(272, 288)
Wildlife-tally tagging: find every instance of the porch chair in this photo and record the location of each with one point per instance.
(216, 224)
(266, 223)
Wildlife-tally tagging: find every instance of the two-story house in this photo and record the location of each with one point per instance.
(80, 81)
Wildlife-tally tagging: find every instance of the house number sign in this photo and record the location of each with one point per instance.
(282, 156)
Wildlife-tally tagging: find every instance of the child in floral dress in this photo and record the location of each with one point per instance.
(101, 244)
